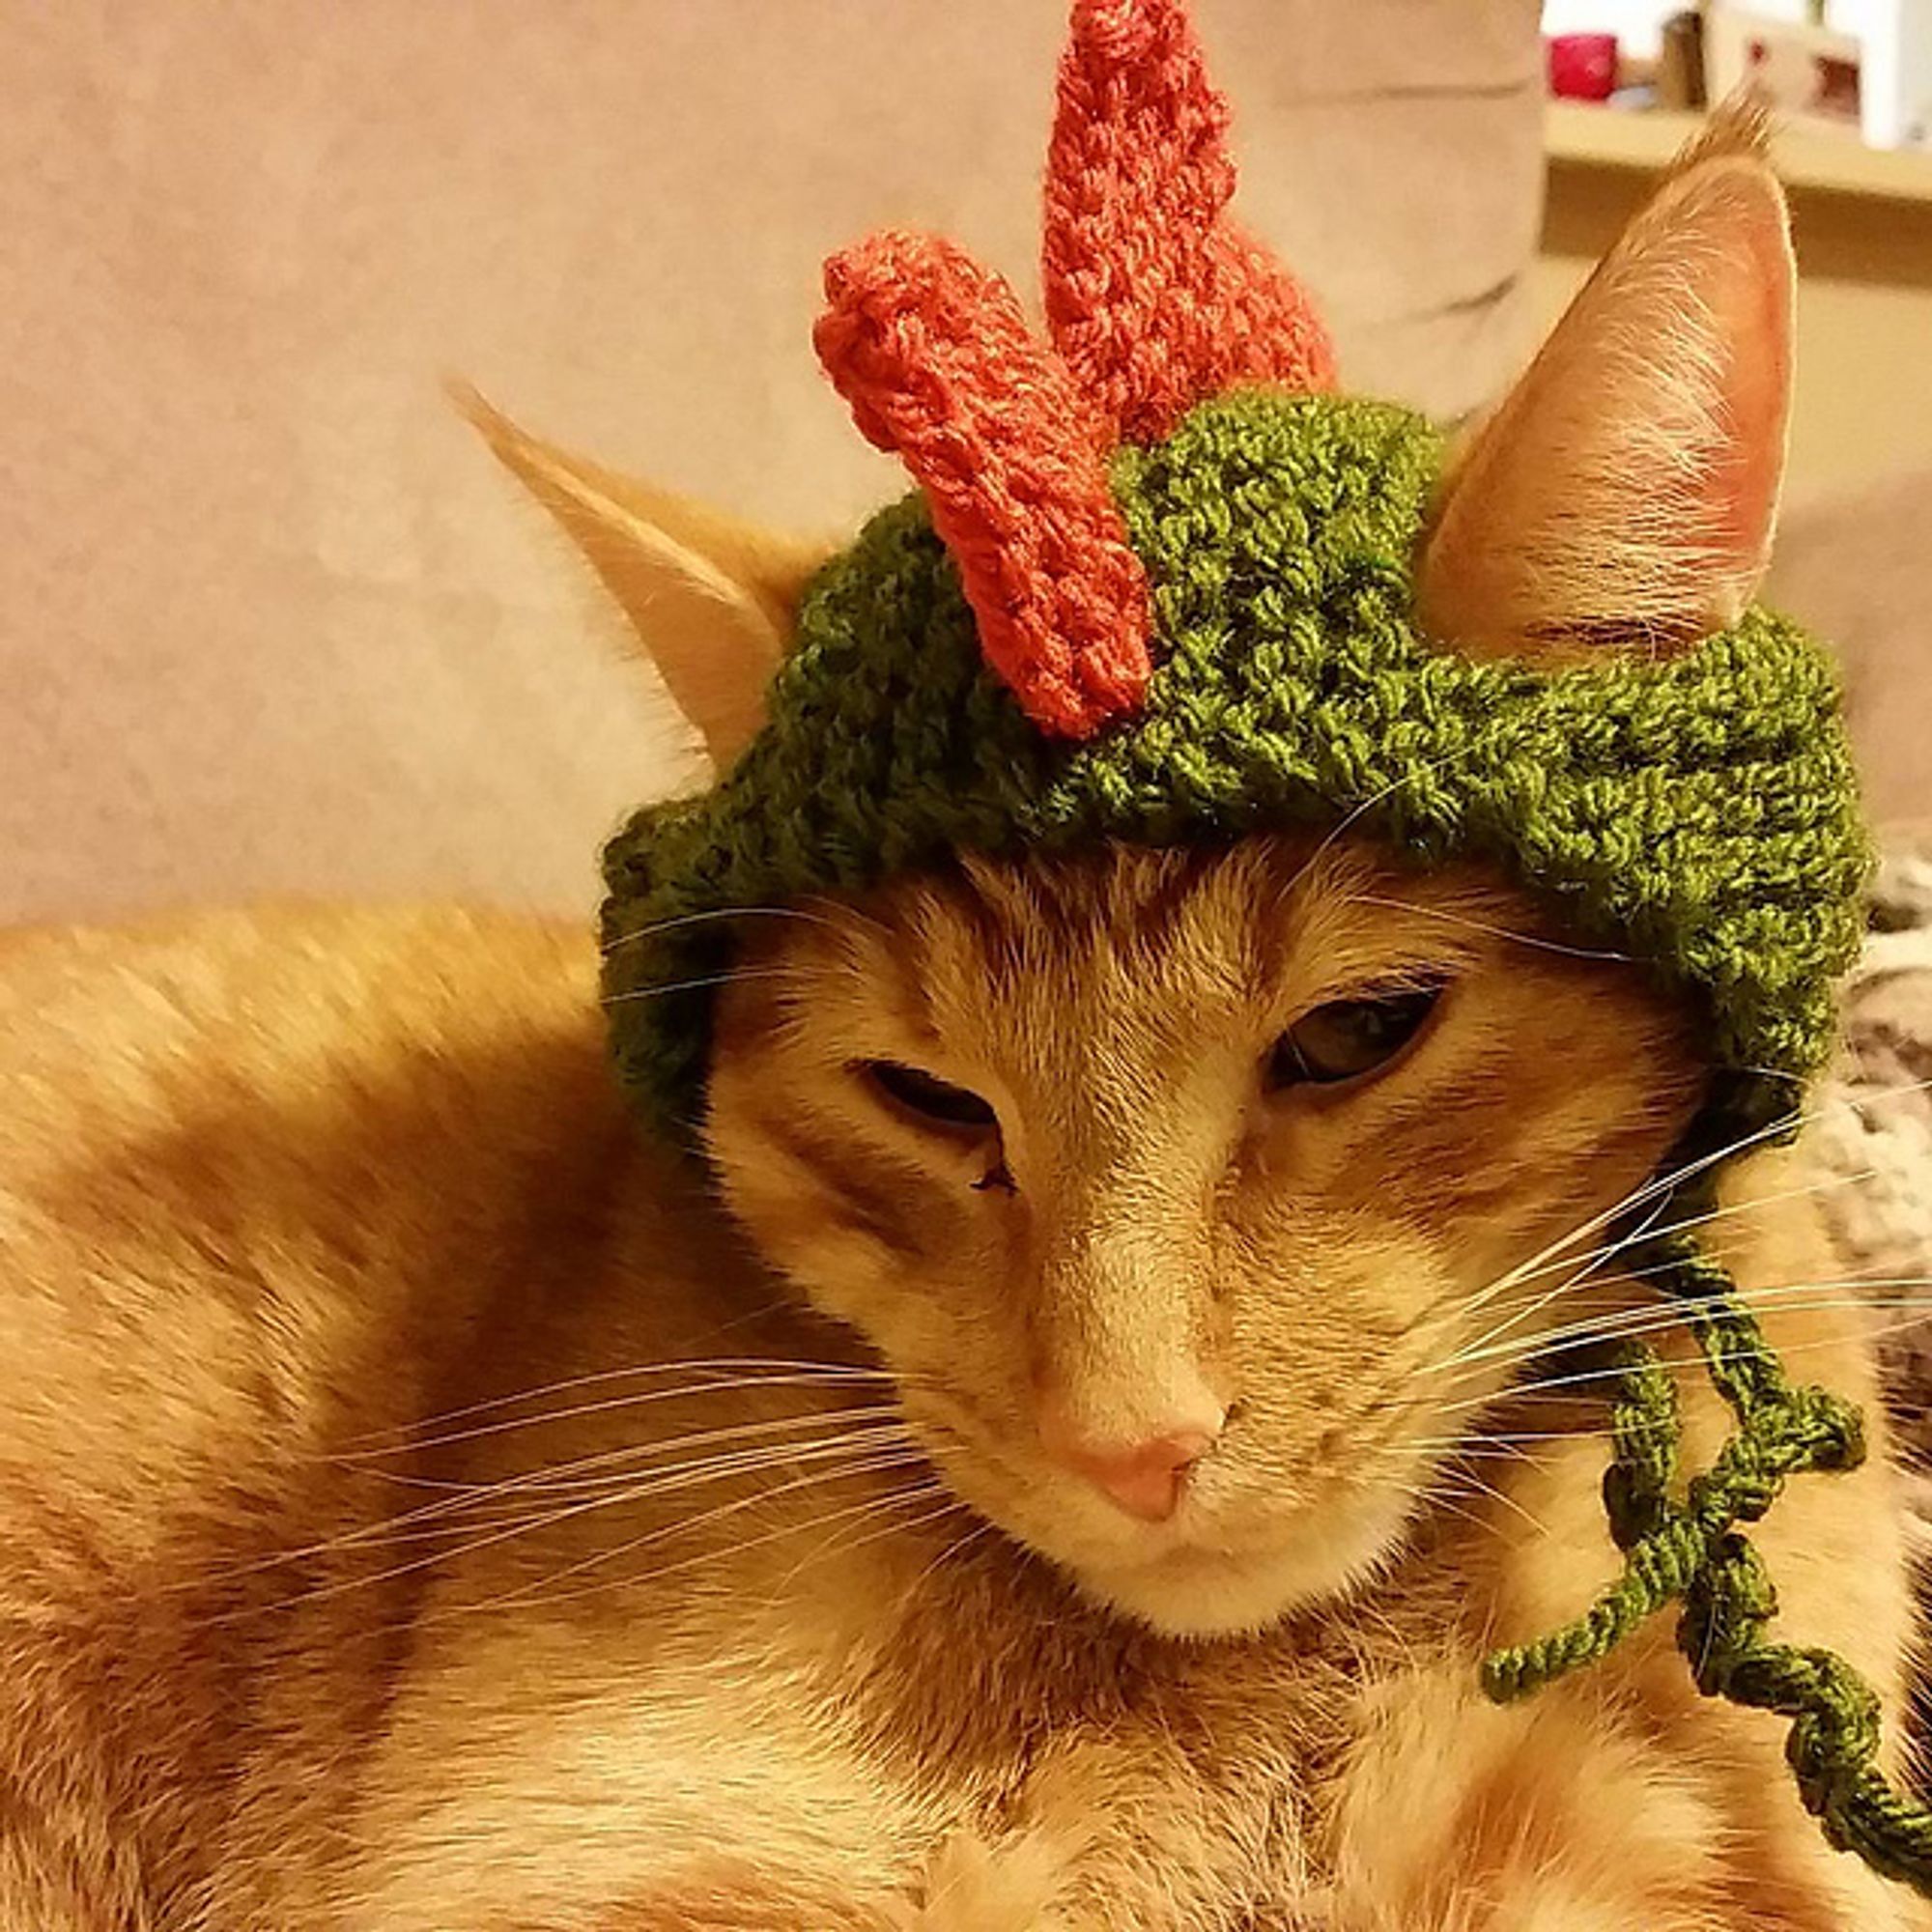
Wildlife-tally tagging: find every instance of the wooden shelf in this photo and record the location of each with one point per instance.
(1577, 134)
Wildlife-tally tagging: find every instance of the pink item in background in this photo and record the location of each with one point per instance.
(1583, 67)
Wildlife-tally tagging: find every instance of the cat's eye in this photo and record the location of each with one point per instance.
(1347, 1038)
(933, 1100)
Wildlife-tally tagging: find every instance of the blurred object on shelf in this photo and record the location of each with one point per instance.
(1637, 24)
(1895, 85)
(1680, 62)
(1584, 135)
(1583, 67)
(1807, 75)
(1825, 66)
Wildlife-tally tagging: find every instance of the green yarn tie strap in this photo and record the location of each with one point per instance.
(1693, 1552)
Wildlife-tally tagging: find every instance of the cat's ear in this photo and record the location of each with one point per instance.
(710, 602)
(1624, 493)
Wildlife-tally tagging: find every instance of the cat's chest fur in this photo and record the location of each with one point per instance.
(886, 1693)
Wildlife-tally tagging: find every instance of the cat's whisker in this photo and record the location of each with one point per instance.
(960, 1542)
(576, 1475)
(540, 1588)
(922, 1490)
(847, 912)
(1469, 925)
(1350, 819)
(1652, 1193)
(894, 1526)
(844, 1546)
(1578, 1268)
(1474, 1485)
(571, 1473)
(1479, 1350)
(847, 1461)
(700, 984)
(1555, 1252)
(735, 1364)
(880, 1464)
(1665, 1183)
(1513, 1443)
(802, 1430)
(1483, 1444)
(1783, 1352)
(463, 1510)
(855, 1442)
(1574, 1270)
(620, 1468)
(515, 1511)
(550, 1598)
(1650, 1316)
(1433, 1498)
(711, 915)
(1586, 1327)
(779, 1377)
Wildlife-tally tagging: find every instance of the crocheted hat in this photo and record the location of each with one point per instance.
(1156, 586)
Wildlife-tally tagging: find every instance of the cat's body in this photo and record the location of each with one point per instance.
(290, 1198)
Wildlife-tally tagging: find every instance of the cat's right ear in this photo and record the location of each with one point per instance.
(1623, 494)
(709, 601)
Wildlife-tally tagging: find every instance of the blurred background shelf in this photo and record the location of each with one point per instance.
(1583, 137)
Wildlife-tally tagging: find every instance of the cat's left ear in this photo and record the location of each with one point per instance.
(710, 601)
(1624, 493)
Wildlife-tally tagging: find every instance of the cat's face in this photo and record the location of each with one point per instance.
(1224, 1152)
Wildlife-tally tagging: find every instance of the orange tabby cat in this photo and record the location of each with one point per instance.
(428, 1503)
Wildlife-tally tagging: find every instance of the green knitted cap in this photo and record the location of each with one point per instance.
(1697, 812)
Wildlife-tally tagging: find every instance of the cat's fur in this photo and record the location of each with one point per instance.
(426, 1502)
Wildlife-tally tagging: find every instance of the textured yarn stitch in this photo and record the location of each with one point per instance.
(1155, 296)
(935, 357)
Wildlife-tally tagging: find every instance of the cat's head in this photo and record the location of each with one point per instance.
(1197, 1199)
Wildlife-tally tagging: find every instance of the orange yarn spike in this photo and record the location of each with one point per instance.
(1155, 299)
(934, 356)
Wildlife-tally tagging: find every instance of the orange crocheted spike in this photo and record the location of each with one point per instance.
(935, 357)
(1155, 299)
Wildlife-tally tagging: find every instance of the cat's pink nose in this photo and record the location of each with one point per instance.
(1144, 1477)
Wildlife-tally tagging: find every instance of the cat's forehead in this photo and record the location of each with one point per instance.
(1176, 930)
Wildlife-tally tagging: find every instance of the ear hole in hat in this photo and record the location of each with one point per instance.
(1623, 496)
